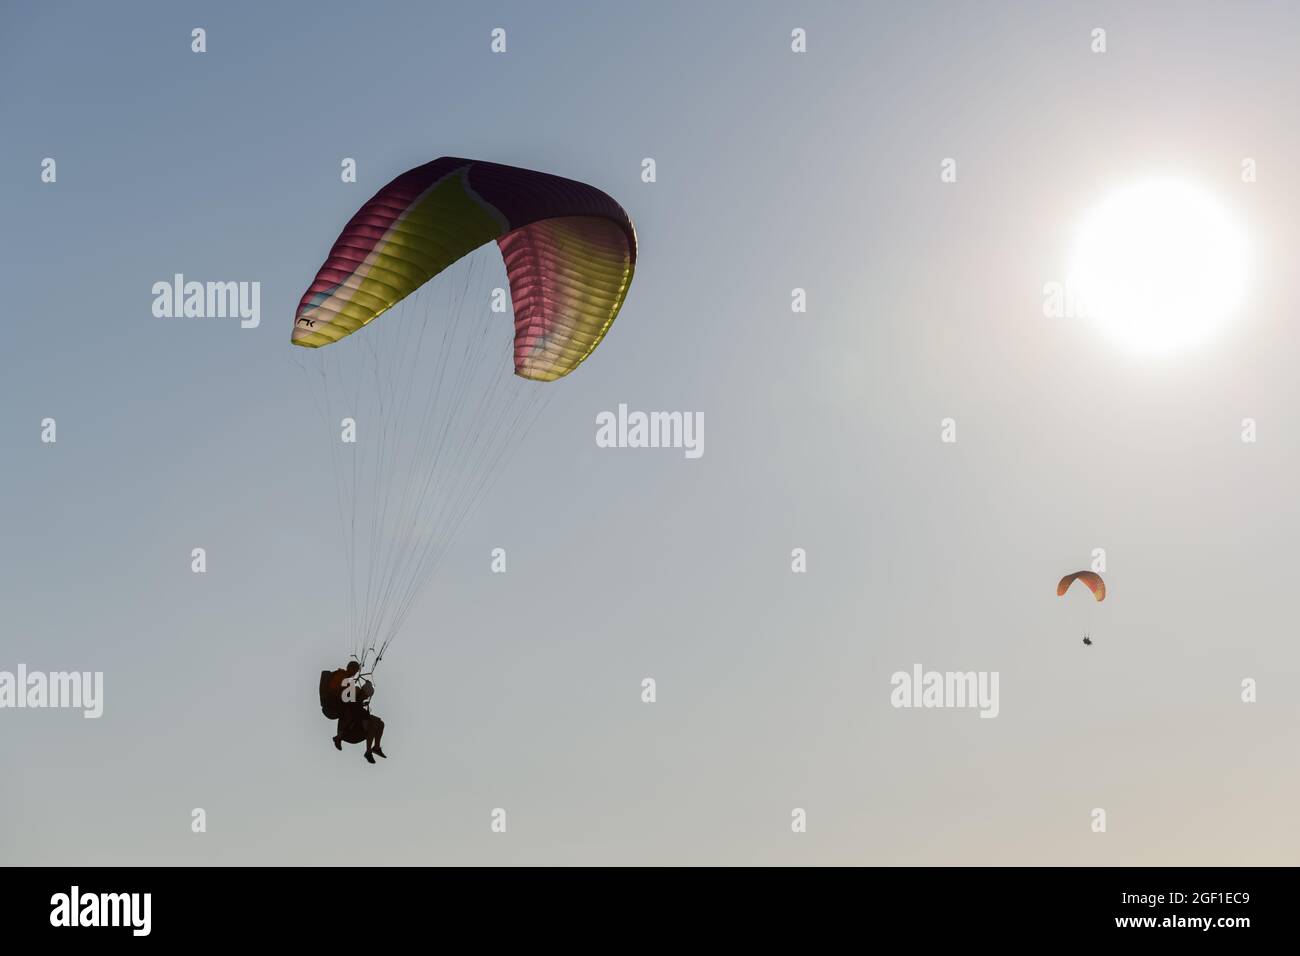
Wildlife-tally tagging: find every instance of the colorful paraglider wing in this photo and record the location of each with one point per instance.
(569, 250)
(1090, 578)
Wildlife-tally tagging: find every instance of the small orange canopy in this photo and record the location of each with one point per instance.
(1090, 578)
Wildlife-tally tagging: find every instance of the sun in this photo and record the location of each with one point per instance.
(1159, 267)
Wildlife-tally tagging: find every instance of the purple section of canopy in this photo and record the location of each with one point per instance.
(525, 197)
(522, 196)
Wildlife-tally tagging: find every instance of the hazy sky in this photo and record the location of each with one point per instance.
(775, 170)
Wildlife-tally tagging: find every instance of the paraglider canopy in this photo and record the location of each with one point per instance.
(1090, 578)
(411, 373)
(569, 251)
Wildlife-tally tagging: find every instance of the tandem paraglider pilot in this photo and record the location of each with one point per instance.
(345, 697)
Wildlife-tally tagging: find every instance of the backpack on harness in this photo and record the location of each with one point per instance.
(331, 700)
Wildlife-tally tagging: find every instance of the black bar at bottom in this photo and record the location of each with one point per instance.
(927, 905)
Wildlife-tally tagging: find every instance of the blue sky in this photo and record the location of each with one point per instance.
(775, 171)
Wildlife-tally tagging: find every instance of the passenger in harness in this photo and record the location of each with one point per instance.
(345, 697)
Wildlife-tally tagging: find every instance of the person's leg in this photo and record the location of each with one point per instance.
(338, 734)
(379, 738)
(369, 728)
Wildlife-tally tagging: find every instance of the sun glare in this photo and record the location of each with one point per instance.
(1159, 267)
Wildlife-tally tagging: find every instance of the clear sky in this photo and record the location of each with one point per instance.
(775, 170)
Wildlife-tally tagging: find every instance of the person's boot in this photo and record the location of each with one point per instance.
(338, 744)
(379, 750)
(369, 759)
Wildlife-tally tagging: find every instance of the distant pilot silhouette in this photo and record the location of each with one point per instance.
(1087, 640)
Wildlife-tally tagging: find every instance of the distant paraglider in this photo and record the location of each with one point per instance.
(1091, 578)
(1095, 584)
